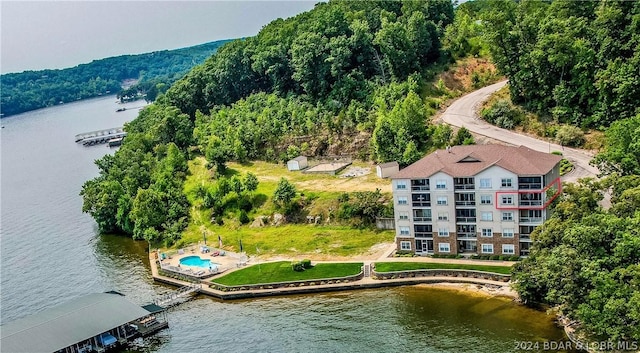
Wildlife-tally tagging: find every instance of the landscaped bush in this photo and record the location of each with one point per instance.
(306, 263)
(495, 257)
(514, 258)
(297, 266)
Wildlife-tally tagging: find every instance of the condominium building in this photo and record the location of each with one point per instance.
(479, 199)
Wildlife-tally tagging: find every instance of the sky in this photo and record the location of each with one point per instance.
(36, 35)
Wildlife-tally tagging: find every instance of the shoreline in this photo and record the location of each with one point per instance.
(470, 285)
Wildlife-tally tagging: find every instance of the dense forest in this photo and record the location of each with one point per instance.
(568, 61)
(153, 72)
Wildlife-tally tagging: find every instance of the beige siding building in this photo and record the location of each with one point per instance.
(484, 199)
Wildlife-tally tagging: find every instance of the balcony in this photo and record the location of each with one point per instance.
(537, 220)
(530, 183)
(466, 203)
(463, 184)
(420, 185)
(530, 202)
(422, 219)
(421, 200)
(470, 236)
(529, 186)
(428, 235)
(525, 238)
(466, 219)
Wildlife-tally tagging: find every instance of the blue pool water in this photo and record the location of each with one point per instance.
(197, 262)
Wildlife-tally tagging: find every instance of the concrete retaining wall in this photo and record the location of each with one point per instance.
(440, 273)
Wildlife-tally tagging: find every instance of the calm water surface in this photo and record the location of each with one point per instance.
(51, 253)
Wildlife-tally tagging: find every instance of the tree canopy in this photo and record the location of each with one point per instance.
(574, 62)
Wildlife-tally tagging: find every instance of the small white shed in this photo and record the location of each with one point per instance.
(297, 163)
(386, 170)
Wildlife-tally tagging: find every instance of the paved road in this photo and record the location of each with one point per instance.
(464, 112)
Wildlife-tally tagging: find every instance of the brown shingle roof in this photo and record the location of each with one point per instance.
(466, 161)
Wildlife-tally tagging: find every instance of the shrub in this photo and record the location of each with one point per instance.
(494, 257)
(569, 135)
(306, 263)
(514, 258)
(297, 266)
(243, 217)
(502, 114)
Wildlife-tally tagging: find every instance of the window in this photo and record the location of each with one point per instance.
(485, 199)
(403, 215)
(485, 183)
(402, 200)
(507, 233)
(486, 216)
(487, 248)
(401, 185)
(443, 216)
(404, 230)
(442, 200)
(405, 245)
(506, 183)
(507, 200)
(507, 216)
(487, 232)
(441, 184)
(443, 232)
(444, 247)
(508, 249)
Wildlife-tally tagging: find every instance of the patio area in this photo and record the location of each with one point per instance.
(200, 261)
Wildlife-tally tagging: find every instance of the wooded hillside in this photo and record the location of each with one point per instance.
(154, 73)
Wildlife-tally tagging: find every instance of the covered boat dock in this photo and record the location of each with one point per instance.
(96, 322)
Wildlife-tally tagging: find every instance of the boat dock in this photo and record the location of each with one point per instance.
(96, 322)
(101, 136)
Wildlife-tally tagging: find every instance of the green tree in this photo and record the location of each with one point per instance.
(463, 137)
(250, 182)
(284, 193)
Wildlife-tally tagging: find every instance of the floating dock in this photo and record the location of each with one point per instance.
(101, 136)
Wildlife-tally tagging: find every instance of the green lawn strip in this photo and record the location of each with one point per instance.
(288, 239)
(282, 271)
(409, 266)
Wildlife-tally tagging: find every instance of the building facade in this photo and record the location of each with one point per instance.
(480, 199)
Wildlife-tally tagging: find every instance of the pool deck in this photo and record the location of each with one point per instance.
(234, 261)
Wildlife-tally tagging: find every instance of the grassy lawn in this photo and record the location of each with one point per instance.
(321, 191)
(282, 272)
(407, 266)
(290, 239)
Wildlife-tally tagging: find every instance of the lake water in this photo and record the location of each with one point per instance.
(51, 253)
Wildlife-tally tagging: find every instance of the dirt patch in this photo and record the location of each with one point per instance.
(459, 78)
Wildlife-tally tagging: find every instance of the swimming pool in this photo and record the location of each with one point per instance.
(196, 261)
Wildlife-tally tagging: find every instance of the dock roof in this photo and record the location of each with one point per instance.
(64, 325)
